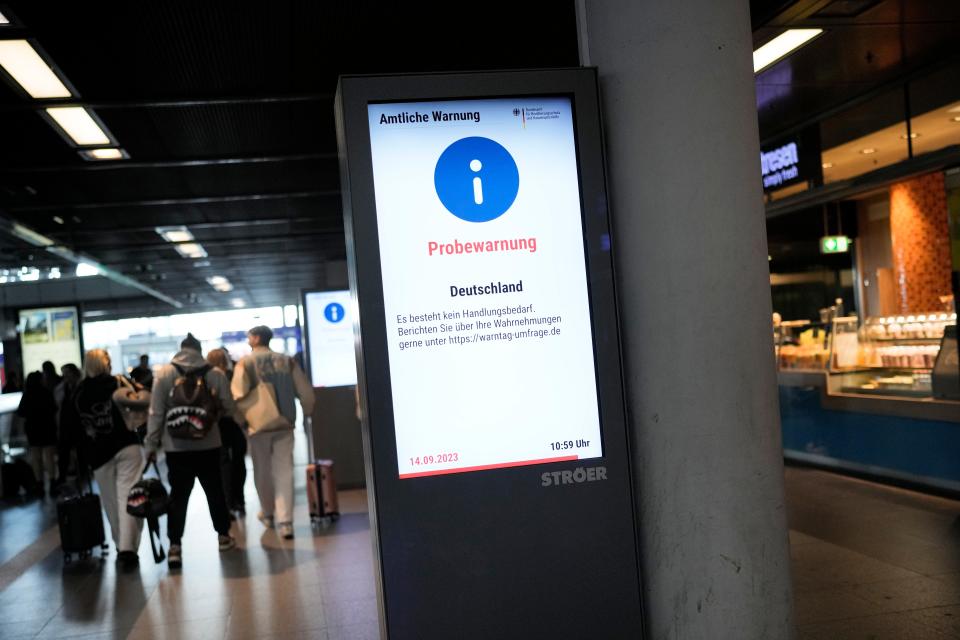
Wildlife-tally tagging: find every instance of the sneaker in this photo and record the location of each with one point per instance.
(286, 530)
(226, 542)
(266, 520)
(174, 557)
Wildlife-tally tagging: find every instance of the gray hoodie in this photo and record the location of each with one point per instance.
(188, 359)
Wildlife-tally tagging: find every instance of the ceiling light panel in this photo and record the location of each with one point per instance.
(110, 153)
(4, 20)
(190, 250)
(22, 62)
(79, 125)
(782, 46)
(175, 234)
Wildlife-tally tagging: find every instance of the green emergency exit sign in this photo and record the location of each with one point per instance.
(834, 244)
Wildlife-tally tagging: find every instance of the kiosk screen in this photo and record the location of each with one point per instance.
(484, 284)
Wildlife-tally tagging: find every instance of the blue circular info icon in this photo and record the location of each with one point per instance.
(476, 179)
(334, 312)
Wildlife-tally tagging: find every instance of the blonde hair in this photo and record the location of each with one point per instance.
(96, 363)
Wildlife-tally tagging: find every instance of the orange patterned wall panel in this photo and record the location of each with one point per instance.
(920, 237)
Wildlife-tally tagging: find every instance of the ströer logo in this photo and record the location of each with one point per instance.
(476, 179)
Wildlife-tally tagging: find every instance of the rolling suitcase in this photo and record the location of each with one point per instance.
(322, 492)
(81, 525)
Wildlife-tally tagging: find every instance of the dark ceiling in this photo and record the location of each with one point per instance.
(226, 112)
(869, 47)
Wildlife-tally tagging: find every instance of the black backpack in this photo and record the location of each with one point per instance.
(194, 405)
(148, 499)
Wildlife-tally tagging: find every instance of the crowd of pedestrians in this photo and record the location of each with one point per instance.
(193, 412)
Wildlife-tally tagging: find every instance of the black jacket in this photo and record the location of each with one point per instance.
(39, 412)
(104, 433)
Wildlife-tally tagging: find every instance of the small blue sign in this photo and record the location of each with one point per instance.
(476, 179)
(334, 312)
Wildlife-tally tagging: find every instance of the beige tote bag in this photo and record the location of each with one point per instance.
(259, 408)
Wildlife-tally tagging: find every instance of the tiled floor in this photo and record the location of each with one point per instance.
(872, 562)
(869, 562)
(319, 585)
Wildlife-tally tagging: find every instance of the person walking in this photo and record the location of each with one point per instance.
(67, 431)
(233, 462)
(142, 373)
(39, 412)
(111, 449)
(188, 396)
(50, 376)
(272, 451)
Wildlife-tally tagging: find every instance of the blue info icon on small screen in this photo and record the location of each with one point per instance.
(476, 179)
(334, 312)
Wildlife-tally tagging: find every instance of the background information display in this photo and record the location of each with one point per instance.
(484, 284)
(329, 328)
(50, 334)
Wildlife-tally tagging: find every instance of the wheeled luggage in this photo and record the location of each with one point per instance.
(81, 525)
(322, 492)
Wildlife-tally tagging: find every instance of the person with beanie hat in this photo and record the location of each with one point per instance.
(193, 458)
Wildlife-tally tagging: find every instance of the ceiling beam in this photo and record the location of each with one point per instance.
(165, 202)
(174, 103)
(168, 164)
(211, 242)
(193, 226)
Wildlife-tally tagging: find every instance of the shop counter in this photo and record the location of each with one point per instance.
(913, 440)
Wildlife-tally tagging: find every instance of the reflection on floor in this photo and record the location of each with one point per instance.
(871, 561)
(319, 585)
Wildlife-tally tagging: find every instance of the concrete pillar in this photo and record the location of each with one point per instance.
(690, 239)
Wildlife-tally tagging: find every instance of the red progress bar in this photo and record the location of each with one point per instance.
(485, 467)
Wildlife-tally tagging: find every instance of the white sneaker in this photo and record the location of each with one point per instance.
(266, 520)
(286, 530)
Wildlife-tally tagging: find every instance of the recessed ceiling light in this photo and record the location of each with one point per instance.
(107, 153)
(19, 59)
(913, 136)
(239, 303)
(190, 250)
(782, 46)
(85, 269)
(175, 234)
(868, 151)
(4, 20)
(956, 118)
(79, 125)
(58, 219)
(827, 165)
(220, 283)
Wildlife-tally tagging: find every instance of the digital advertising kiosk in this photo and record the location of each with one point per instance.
(488, 355)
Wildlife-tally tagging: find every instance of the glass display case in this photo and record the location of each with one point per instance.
(897, 354)
(818, 346)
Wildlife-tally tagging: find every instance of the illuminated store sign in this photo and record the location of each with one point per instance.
(484, 284)
(780, 165)
(792, 160)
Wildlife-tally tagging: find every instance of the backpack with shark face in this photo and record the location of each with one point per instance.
(194, 405)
